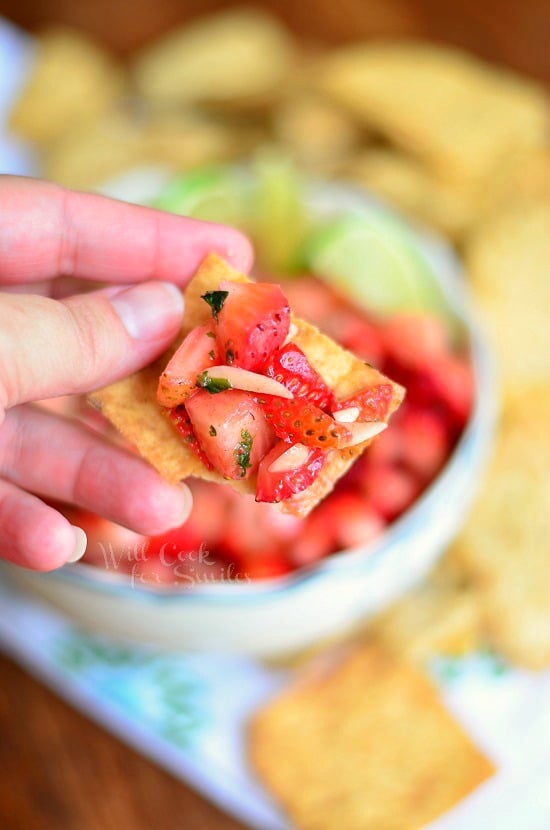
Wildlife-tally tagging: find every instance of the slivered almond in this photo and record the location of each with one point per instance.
(249, 381)
(292, 332)
(346, 416)
(363, 432)
(291, 459)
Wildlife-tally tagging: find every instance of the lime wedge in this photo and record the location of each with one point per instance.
(374, 260)
(214, 194)
(278, 216)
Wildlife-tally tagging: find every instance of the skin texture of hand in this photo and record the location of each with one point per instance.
(54, 343)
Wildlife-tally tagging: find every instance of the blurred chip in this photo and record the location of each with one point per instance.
(91, 153)
(440, 616)
(187, 139)
(525, 178)
(72, 82)
(505, 542)
(239, 56)
(508, 263)
(461, 117)
(317, 134)
(364, 746)
(447, 206)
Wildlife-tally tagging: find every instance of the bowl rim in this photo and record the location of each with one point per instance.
(448, 273)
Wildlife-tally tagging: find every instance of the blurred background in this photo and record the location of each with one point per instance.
(514, 34)
(441, 112)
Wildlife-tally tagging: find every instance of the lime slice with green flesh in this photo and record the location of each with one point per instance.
(278, 215)
(375, 261)
(214, 194)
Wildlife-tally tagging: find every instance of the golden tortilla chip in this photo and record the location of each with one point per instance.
(450, 206)
(507, 260)
(504, 545)
(89, 154)
(131, 403)
(316, 133)
(460, 116)
(72, 81)
(238, 57)
(442, 615)
(367, 745)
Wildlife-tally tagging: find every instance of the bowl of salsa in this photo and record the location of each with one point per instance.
(242, 576)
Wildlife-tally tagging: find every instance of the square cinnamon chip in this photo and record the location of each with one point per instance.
(365, 744)
(131, 406)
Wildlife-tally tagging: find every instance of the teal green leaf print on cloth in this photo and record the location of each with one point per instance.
(159, 689)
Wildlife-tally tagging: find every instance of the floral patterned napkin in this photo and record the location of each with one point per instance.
(188, 712)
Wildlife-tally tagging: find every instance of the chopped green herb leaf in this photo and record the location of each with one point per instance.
(242, 452)
(212, 431)
(212, 385)
(210, 334)
(215, 300)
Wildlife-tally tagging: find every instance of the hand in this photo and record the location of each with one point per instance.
(52, 344)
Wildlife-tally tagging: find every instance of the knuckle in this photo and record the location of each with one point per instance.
(96, 342)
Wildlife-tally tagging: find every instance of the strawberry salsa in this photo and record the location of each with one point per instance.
(228, 535)
(248, 402)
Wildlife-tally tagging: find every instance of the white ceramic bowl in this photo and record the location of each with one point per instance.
(275, 617)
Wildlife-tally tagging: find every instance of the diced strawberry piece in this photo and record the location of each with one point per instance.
(280, 485)
(253, 321)
(198, 352)
(177, 558)
(388, 447)
(453, 381)
(373, 403)
(315, 542)
(299, 422)
(181, 420)
(262, 565)
(311, 299)
(363, 339)
(354, 521)
(415, 340)
(425, 442)
(289, 366)
(250, 531)
(176, 543)
(231, 429)
(390, 490)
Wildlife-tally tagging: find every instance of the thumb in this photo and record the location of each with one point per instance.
(50, 347)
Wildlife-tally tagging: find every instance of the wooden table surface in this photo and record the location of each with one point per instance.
(59, 771)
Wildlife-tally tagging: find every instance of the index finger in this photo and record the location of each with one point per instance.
(47, 231)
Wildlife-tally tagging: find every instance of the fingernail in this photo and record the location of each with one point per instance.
(186, 504)
(149, 310)
(81, 542)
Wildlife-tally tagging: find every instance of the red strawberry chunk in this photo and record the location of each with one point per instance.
(281, 485)
(415, 340)
(299, 422)
(290, 366)
(453, 382)
(390, 490)
(253, 321)
(231, 429)
(373, 403)
(182, 422)
(197, 352)
(425, 442)
(353, 520)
